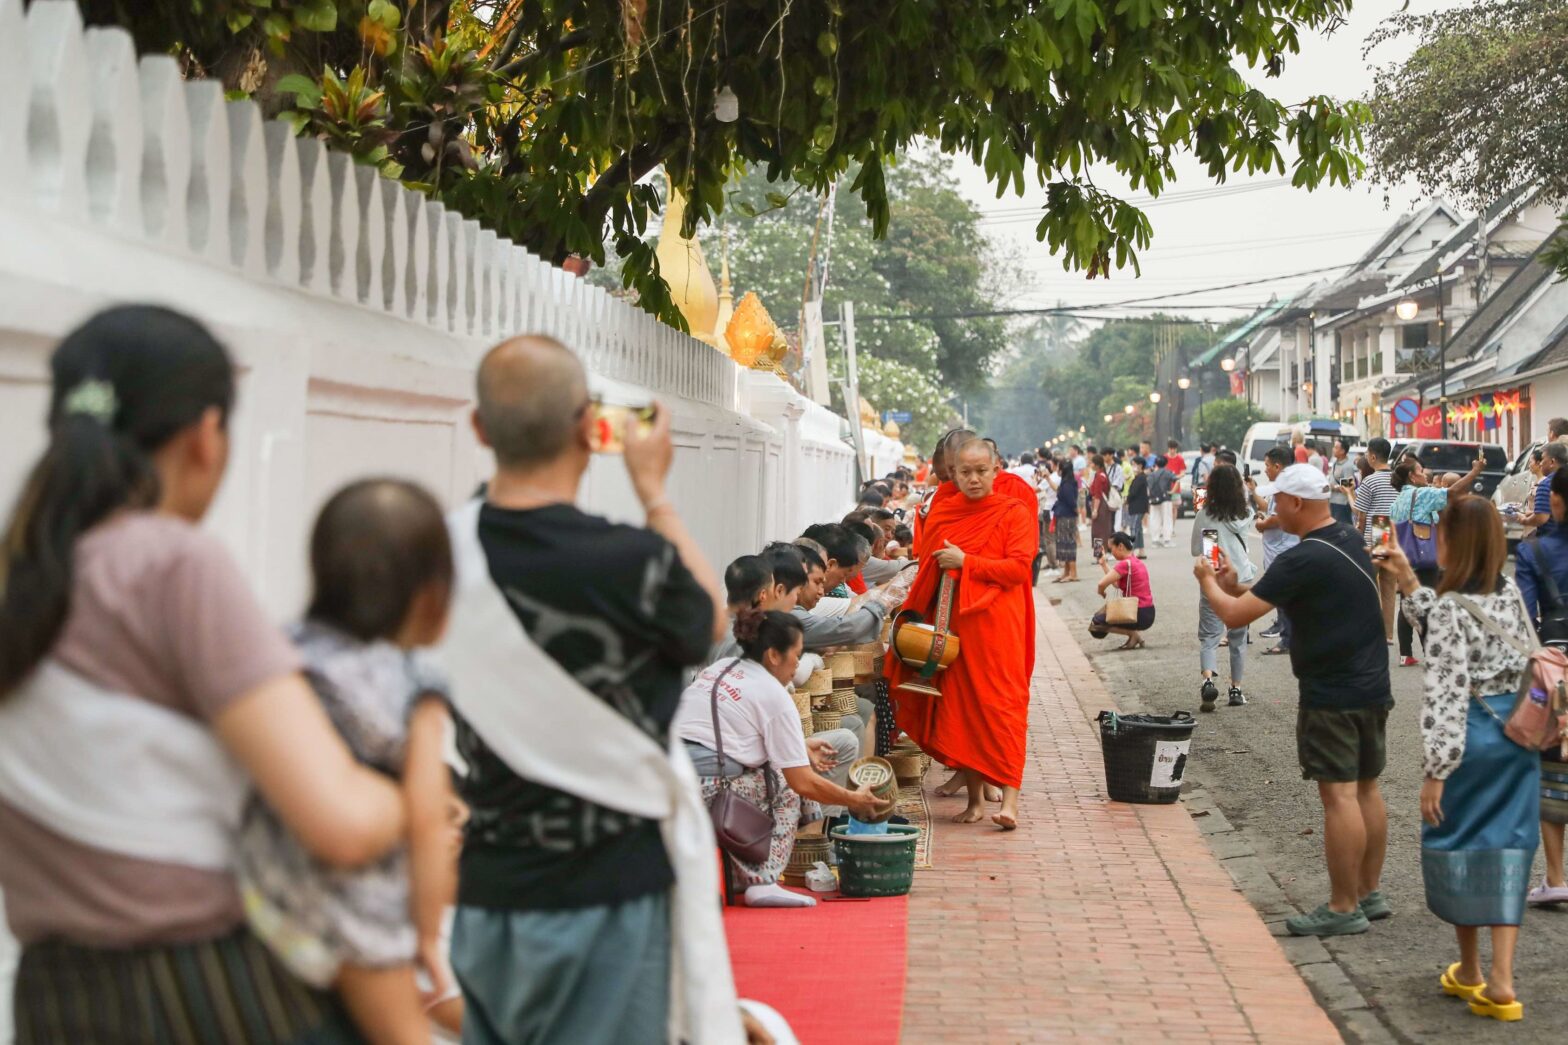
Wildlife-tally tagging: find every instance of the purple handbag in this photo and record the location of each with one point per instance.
(1419, 543)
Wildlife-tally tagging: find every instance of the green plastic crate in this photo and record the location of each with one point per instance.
(876, 865)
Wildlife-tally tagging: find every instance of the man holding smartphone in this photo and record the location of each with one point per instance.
(1342, 471)
(1326, 585)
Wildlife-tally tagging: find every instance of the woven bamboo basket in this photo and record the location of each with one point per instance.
(821, 703)
(909, 768)
(809, 848)
(843, 701)
(822, 720)
(802, 701)
(865, 665)
(842, 665)
(820, 684)
(877, 773)
(807, 724)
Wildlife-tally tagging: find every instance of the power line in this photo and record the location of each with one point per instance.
(1014, 215)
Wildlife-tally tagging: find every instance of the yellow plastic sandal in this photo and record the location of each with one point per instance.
(1508, 1012)
(1451, 984)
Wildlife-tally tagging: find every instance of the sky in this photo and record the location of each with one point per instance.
(1260, 228)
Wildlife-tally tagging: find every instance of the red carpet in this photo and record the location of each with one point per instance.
(835, 971)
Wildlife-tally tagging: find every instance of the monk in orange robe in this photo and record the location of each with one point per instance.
(988, 541)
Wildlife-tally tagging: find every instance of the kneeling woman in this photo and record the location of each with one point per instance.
(1130, 576)
(1482, 793)
(757, 740)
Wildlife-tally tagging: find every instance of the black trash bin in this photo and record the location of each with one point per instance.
(1145, 755)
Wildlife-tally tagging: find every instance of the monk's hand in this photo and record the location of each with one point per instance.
(865, 805)
(821, 753)
(950, 556)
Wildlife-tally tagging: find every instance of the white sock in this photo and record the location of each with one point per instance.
(775, 895)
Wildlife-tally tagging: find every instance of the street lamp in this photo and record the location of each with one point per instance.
(1154, 397)
(1227, 364)
(1107, 418)
(1407, 309)
(1129, 408)
(1184, 383)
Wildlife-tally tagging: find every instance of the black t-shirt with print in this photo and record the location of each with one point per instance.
(1338, 651)
(616, 608)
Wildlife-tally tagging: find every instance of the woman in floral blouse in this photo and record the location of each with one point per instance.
(1481, 797)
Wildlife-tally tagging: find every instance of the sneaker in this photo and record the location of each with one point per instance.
(1545, 895)
(1208, 695)
(1408, 662)
(1237, 699)
(1270, 632)
(1324, 922)
(1376, 908)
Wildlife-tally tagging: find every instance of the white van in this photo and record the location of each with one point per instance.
(1265, 434)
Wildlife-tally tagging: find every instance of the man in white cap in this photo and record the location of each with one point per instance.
(1328, 587)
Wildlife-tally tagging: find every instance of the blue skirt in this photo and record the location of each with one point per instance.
(1476, 864)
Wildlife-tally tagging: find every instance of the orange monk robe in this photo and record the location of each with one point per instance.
(980, 720)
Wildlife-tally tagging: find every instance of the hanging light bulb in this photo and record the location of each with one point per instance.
(726, 106)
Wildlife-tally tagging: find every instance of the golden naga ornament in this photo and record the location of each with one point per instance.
(750, 331)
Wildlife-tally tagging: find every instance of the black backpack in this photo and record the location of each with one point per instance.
(1553, 628)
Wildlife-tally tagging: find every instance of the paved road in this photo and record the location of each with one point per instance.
(1244, 761)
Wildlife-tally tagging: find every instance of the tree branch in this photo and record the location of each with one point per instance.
(627, 171)
(566, 43)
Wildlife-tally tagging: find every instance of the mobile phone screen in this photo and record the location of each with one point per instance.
(610, 425)
(1211, 546)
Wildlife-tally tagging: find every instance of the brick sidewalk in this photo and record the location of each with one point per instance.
(1095, 920)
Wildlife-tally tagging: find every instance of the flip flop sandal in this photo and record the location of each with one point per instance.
(1275, 651)
(1451, 985)
(1507, 1012)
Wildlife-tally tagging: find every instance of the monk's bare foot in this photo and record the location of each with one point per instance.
(972, 815)
(993, 793)
(1007, 818)
(953, 786)
(1006, 821)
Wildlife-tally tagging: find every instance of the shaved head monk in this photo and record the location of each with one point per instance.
(986, 541)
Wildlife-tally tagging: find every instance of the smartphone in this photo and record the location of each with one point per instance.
(1099, 546)
(610, 422)
(1382, 531)
(1211, 547)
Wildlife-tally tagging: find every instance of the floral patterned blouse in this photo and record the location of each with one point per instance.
(1463, 661)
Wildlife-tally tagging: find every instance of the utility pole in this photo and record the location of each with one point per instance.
(852, 388)
(1442, 352)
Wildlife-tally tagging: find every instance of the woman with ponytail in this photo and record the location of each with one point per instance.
(759, 738)
(144, 695)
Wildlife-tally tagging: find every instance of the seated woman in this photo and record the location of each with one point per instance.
(759, 737)
(1130, 577)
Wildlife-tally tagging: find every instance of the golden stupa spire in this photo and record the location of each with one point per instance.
(685, 270)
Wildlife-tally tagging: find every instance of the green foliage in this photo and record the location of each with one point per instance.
(1480, 107)
(542, 118)
(1116, 365)
(1225, 421)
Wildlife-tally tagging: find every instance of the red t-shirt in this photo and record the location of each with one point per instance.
(1302, 454)
(1135, 580)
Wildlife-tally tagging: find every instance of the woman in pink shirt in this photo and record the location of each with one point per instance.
(1129, 575)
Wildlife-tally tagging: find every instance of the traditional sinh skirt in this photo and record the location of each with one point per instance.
(1066, 539)
(226, 990)
(789, 812)
(1554, 788)
(1476, 863)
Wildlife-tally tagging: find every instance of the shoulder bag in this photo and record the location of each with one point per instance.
(1122, 609)
(1553, 630)
(1535, 721)
(743, 831)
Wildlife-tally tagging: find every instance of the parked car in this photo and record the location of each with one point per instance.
(1453, 455)
(1265, 434)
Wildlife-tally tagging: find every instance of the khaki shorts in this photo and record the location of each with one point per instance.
(1342, 746)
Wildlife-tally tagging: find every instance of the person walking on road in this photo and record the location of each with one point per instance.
(1137, 506)
(1343, 472)
(1327, 587)
(1065, 512)
(1275, 540)
(1162, 510)
(1375, 499)
(1224, 513)
(1099, 507)
(1541, 571)
(1481, 797)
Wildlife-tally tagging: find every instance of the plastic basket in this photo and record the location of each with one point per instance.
(1145, 755)
(876, 865)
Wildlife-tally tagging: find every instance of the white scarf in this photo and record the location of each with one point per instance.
(119, 773)
(549, 729)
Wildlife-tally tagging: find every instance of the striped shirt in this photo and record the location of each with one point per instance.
(1375, 496)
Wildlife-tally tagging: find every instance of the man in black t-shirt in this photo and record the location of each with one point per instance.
(563, 923)
(1327, 586)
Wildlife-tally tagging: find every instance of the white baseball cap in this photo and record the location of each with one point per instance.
(1299, 480)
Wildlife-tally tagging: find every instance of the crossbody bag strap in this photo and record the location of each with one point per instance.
(1525, 650)
(1547, 581)
(718, 738)
(1370, 579)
